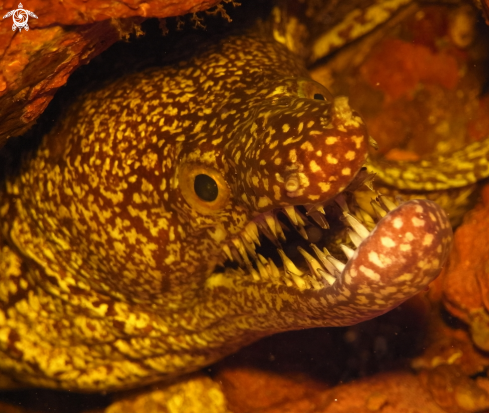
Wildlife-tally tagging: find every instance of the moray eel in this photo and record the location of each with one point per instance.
(130, 238)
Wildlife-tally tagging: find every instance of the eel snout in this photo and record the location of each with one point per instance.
(402, 255)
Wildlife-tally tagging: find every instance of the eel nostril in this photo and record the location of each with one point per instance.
(319, 96)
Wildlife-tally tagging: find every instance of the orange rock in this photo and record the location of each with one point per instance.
(36, 63)
(254, 391)
(453, 391)
(465, 283)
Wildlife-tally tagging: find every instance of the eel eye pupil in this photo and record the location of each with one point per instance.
(205, 187)
(318, 96)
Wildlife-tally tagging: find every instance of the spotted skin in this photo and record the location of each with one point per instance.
(108, 260)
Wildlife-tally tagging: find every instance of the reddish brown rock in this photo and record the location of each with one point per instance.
(466, 281)
(261, 392)
(34, 64)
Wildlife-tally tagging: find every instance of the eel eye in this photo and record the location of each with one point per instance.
(203, 187)
(206, 188)
(318, 96)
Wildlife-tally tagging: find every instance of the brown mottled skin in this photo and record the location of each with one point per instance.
(111, 265)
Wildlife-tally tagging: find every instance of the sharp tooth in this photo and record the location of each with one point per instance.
(274, 269)
(364, 217)
(290, 212)
(322, 258)
(227, 251)
(288, 264)
(341, 201)
(252, 231)
(266, 265)
(357, 227)
(262, 259)
(387, 202)
(263, 272)
(241, 249)
(236, 256)
(246, 237)
(270, 220)
(348, 251)
(378, 209)
(301, 219)
(327, 276)
(278, 228)
(315, 283)
(303, 232)
(254, 274)
(320, 209)
(312, 263)
(264, 229)
(337, 263)
(288, 282)
(301, 284)
(320, 219)
(355, 238)
(250, 248)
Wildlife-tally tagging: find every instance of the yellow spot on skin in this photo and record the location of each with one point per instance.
(409, 236)
(307, 146)
(293, 155)
(331, 159)
(331, 140)
(325, 187)
(319, 153)
(314, 167)
(369, 273)
(350, 155)
(301, 126)
(358, 141)
(405, 247)
(373, 257)
(397, 222)
(285, 127)
(428, 239)
(417, 222)
(264, 201)
(387, 242)
(346, 171)
(405, 277)
(276, 192)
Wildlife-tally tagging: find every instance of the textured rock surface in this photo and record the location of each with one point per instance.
(466, 281)
(34, 64)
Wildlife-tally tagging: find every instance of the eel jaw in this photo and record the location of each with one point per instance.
(402, 254)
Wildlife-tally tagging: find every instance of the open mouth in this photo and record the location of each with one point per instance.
(314, 247)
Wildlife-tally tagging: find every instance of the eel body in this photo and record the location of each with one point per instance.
(130, 240)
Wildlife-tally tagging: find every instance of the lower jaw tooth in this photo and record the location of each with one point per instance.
(262, 270)
(355, 238)
(388, 203)
(315, 283)
(357, 226)
(301, 284)
(347, 251)
(326, 276)
(337, 263)
(378, 209)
